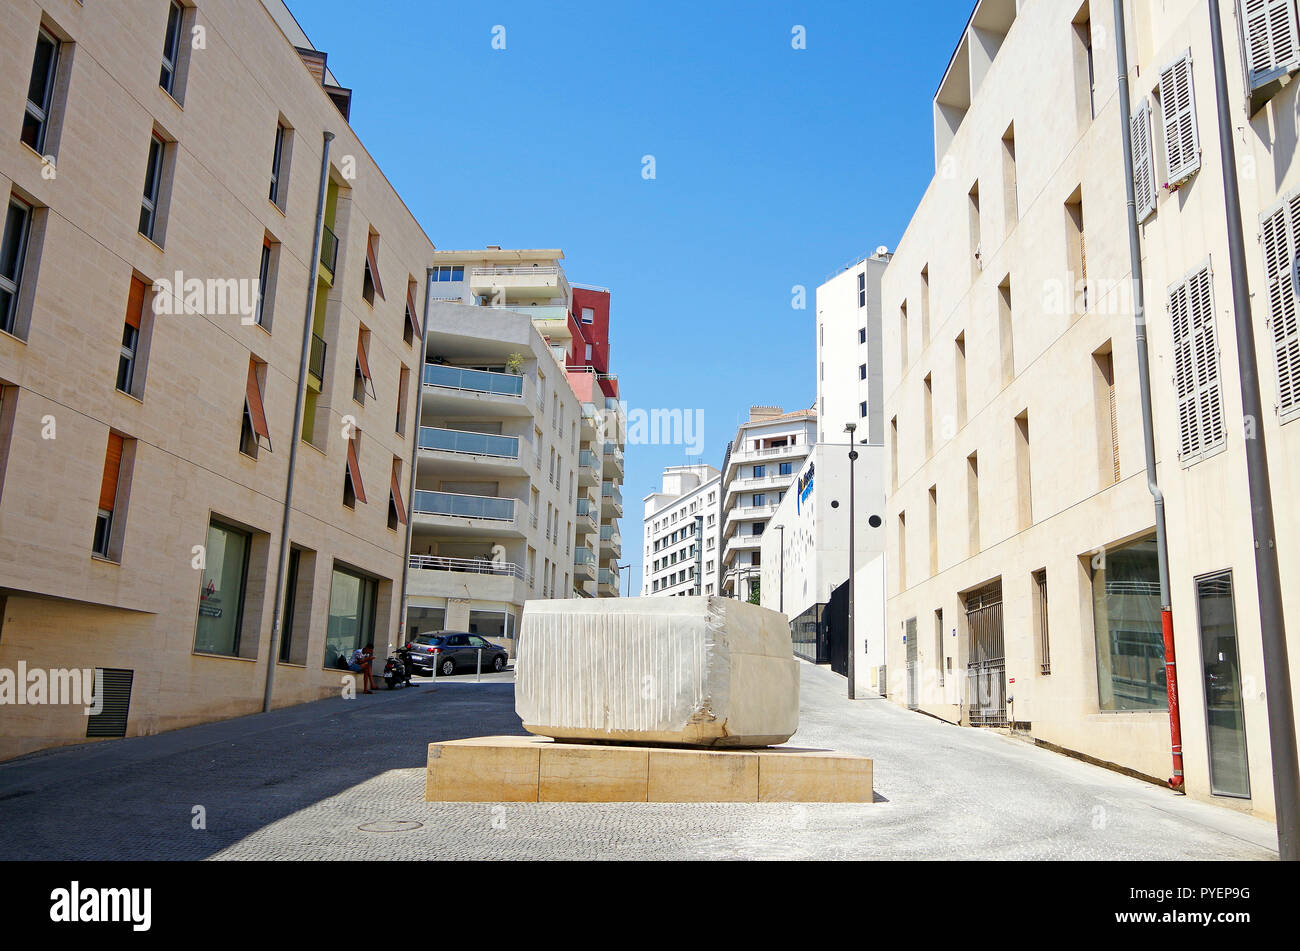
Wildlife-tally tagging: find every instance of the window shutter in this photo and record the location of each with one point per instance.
(135, 302)
(1178, 102)
(256, 411)
(411, 311)
(112, 466)
(1281, 236)
(396, 489)
(372, 259)
(1271, 40)
(1196, 367)
(1144, 162)
(363, 364)
(354, 471)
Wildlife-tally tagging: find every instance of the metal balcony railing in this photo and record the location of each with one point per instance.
(464, 506)
(477, 444)
(546, 270)
(480, 566)
(475, 381)
(316, 363)
(329, 249)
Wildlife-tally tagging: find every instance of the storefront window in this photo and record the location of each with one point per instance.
(221, 599)
(352, 615)
(425, 620)
(1126, 615)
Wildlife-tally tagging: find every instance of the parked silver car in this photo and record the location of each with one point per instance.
(450, 651)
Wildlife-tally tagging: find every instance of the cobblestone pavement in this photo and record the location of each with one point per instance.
(299, 783)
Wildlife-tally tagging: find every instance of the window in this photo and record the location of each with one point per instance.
(370, 283)
(758, 528)
(760, 471)
(403, 384)
(1010, 198)
(448, 272)
(1281, 240)
(862, 410)
(1024, 480)
(588, 317)
(973, 501)
(862, 371)
(13, 255)
(107, 538)
(862, 290)
(268, 267)
(959, 359)
(40, 91)
(410, 329)
(786, 468)
(934, 530)
(353, 490)
(976, 247)
(1144, 161)
(1272, 46)
(362, 382)
(173, 50)
(1040, 621)
(938, 643)
(1226, 722)
(759, 499)
(396, 507)
(1130, 641)
(1084, 65)
(351, 622)
(862, 335)
(1196, 368)
(254, 433)
(902, 336)
(129, 358)
(224, 586)
(927, 412)
(1178, 105)
(279, 191)
(1106, 414)
(151, 206)
(902, 551)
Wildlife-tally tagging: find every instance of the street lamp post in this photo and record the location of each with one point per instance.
(628, 566)
(850, 428)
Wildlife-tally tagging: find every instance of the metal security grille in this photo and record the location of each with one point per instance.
(986, 688)
(111, 720)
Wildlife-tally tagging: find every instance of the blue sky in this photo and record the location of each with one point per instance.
(774, 166)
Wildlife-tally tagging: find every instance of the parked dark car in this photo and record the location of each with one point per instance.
(450, 651)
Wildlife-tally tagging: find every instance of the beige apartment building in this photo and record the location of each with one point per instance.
(1022, 576)
(162, 176)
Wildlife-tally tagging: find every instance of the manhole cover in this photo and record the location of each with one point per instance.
(391, 825)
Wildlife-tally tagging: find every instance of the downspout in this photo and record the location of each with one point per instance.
(1277, 668)
(415, 458)
(1144, 381)
(303, 360)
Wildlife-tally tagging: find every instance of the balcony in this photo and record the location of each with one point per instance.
(435, 576)
(763, 483)
(588, 517)
(584, 564)
(590, 421)
(607, 583)
(611, 541)
(611, 501)
(748, 513)
(739, 543)
(316, 363)
(588, 468)
(544, 280)
(460, 453)
(329, 251)
(613, 456)
(474, 392)
(457, 514)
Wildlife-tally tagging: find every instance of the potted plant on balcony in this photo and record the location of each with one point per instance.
(515, 364)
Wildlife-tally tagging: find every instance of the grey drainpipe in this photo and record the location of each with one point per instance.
(415, 458)
(1144, 382)
(283, 567)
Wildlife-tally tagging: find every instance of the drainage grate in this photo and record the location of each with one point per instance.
(111, 720)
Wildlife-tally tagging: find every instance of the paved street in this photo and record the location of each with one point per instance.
(300, 783)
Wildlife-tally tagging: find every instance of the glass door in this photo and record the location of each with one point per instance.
(1225, 720)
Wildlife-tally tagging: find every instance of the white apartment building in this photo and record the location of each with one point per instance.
(1022, 573)
(758, 468)
(850, 365)
(680, 529)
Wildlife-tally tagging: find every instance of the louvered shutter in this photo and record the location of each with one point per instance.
(1178, 103)
(1281, 238)
(1271, 39)
(1144, 162)
(1196, 367)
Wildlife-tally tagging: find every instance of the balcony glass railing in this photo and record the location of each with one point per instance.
(587, 459)
(584, 556)
(477, 381)
(478, 566)
(608, 491)
(608, 577)
(586, 509)
(329, 249)
(537, 311)
(478, 444)
(612, 449)
(464, 506)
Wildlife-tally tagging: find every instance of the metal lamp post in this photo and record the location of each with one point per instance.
(851, 428)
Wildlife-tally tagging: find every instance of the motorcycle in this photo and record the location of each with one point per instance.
(397, 670)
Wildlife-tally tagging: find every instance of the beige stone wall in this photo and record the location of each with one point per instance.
(1076, 512)
(65, 608)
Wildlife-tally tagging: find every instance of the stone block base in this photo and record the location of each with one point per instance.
(538, 769)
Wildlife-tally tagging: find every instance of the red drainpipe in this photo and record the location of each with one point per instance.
(1171, 685)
